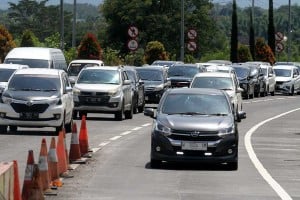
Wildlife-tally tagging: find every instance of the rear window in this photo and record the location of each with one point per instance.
(97, 76)
(32, 63)
(5, 74)
(75, 68)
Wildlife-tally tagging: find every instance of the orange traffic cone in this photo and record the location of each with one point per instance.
(17, 192)
(61, 155)
(53, 165)
(27, 184)
(75, 154)
(43, 169)
(66, 148)
(35, 192)
(83, 138)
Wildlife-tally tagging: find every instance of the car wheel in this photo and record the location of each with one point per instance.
(238, 119)
(141, 108)
(3, 129)
(232, 165)
(59, 128)
(119, 114)
(292, 91)
(68, 126)
(272, 93)
(13, 128)
(135, 105)
(155, 163)
(129, 113)
(74, 114)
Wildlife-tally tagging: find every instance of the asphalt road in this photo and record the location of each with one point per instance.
(269, 159)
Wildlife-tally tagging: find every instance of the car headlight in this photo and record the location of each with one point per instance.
(76, 91)
(6, 100)
(159, 87)
(162, 129)
(55, 101)
(116, 92)
(226, 131)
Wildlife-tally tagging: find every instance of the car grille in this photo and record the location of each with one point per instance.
(20, 107)
(279, 82)
(149, 88)
(94, 98)
(194, 135)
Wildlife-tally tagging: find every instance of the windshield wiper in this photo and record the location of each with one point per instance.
(48, 90)
(225, 89)
(219, 114)
(191, 113)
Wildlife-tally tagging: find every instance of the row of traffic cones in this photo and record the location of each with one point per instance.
(44, 178)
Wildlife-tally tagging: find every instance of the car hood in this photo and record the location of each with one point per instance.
(97, 87)
(196, 122)
(180, 78)
(152, 83)
(31, 95)
(283, 79)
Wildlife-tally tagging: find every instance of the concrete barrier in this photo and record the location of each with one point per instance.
(6, 180)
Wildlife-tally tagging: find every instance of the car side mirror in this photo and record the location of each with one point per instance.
(127, 82)
(149, 112)
(295, 75)
(242, 114)
(239, 90)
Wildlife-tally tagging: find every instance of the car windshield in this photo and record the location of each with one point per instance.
(96, 76)
(195, 104)
(32, 63)
(150, 75)
(264, 71)
(33, 82)
(131, 75)
(75, 68)
(224, 83)
(182, 71)
(283, 72)
(5, 74)
(241, 72)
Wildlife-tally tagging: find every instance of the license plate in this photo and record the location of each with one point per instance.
(196, 146)
(29, 115)
(94, 99)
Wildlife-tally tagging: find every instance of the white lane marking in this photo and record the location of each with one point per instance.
(260, 168)
(126, 133)
(246, 102)
(275, 149)
(115, 138)
(256, 101)
(103, 144)
(291, 97)
(148, 124)
(280, 98)
(136, 128)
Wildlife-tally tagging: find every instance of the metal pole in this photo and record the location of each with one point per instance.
(74, 24)
(182, 32)
(61, 24)
(289, 33)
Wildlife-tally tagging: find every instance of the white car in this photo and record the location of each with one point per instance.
(103, 89)
(37, 98)
(223, 81)
(287, 79)
(270, 78)
(6, 70)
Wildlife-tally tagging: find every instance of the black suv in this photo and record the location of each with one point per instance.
(246, 81)
(138, 89)
(156, 82)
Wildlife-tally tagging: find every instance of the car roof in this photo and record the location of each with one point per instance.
(12, 66)
(39, 71)
(151, 67)
(213, 74)
(102, 67)
(208, 91)
(185, 65)
(284, 67)
(88, 61)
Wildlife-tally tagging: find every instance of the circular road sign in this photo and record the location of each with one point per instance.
(279, 47)
(192, 34)
(191, 46)
(133, 31)
(279, 36)
(132, 45)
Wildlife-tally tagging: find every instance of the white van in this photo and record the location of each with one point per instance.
(76, 66)
(37, 57)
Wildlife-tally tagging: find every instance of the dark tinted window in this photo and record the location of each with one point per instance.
(242, 72)
(5, 74)
(213, 82)
(96, 76)
(182, 71)
(34, 82)
(32, 63)
(283, 72)
(151, 75)
(75, 68)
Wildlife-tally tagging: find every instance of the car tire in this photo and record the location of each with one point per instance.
(272, 93)
(238, 119)
(154, 164)
(292, 91)
(68, 126)
(3, 129)
(74, 114)
(13, 128)
(232, 165)
(129, 113)
(119, 114)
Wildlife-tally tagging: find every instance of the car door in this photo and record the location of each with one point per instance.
(296, 78)
(271, 77)
(126, 89)
(67, 96)
(238, 92)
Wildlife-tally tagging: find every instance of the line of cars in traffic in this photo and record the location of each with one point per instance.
(196, 120)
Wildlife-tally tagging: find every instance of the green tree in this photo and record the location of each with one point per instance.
(110, 57)
(234, 35)
(6, 42)
(28, 39)
(155, 50)
(244, 54)
(53, 41)
(89, 48)
(263, 51)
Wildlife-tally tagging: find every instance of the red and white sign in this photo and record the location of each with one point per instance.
(192, 34)
(132, 45)
(133, 31)
(191, 46)
(279, 47)
(279, 36)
